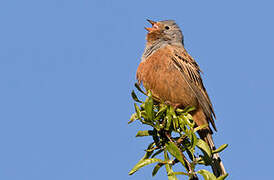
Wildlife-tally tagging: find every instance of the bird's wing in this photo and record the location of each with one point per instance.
(191, 72)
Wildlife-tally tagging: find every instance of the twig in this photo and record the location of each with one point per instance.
(189, 169)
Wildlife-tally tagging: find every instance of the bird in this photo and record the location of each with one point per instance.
(174, 77)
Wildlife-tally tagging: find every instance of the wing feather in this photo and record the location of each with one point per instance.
(191, 72)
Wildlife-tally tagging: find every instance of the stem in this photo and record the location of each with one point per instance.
(188, 167)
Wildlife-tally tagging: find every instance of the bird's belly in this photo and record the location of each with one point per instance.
(168, 85)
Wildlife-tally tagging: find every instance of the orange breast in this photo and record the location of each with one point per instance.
(159, 74)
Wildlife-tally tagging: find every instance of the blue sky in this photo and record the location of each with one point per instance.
(67, 69)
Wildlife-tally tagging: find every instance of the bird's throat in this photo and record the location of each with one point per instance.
(151, 47)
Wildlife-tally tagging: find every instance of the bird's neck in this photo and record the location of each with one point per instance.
(152, 46)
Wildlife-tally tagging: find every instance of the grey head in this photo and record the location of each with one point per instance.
(160, 34)
(172, 31)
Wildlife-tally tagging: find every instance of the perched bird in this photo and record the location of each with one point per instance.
(173, 77)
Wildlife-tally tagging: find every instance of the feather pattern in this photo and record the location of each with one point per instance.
(191, 71)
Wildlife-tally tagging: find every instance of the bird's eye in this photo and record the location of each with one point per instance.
(167, 28)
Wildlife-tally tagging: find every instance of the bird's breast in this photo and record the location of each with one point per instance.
(159, 75)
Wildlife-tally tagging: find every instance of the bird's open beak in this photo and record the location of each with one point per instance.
(154, 26)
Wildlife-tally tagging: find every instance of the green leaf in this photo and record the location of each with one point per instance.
(142, 106)
(204, 147)
(180, 173)
(206, 174)
(144, 133)
(221, 148)
(222, 177)
(206, 158)
(186, 110)
(166, 158)
(139, 88)
(175, 120)
(172, 112)
(200, 127)
(144, 163)
(172, 177)
(168, 121)
(190, 120)
(189, 116)
(182, 123)
(169, 168)
(161, 110)
(149, 107)
(178, 110)
(200, 160)
(189, 109)
(175, 151)
(147, 154)
(134, 97)
(143, 114)
(194, 140)
(138, 112)
(156, 168)
(187, 120)
(132, 118)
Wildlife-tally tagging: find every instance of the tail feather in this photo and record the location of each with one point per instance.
(217, 164)
(200, 119)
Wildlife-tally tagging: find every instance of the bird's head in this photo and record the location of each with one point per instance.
(166, 30)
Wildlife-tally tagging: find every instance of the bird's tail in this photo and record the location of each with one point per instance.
(217, 164)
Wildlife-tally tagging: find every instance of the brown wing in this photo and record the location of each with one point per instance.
(191, 73)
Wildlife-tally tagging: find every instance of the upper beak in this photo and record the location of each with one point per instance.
(151, 22)
(154, 26)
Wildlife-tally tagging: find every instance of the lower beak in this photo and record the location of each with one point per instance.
(150, 29)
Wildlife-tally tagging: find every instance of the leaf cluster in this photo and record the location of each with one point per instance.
(174, 137)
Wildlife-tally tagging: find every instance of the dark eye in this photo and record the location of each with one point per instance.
(167, 28)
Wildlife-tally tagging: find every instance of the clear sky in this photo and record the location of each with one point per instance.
(67, 68)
